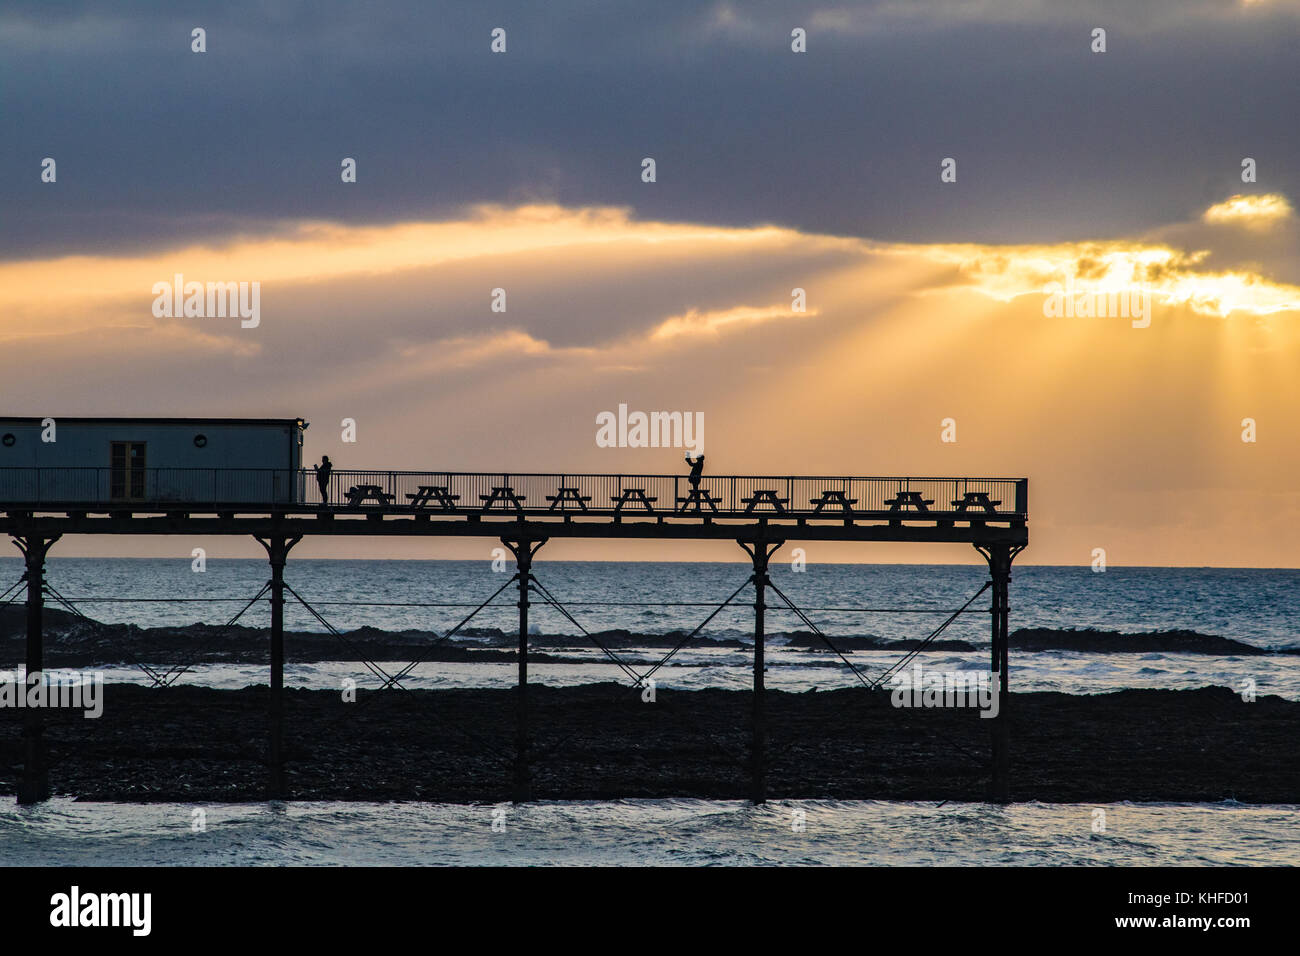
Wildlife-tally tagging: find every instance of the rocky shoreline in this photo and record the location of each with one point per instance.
(603, 742)
(72, 642)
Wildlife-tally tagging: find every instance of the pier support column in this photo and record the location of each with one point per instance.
(759, 552)
(277, 551)
(34, 784)
(999, 557)
(523, 549)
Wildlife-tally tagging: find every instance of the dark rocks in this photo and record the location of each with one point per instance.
(1090, 639)
(603, 742)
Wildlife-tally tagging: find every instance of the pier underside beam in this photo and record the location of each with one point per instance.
(277, 551)
(535, 527)
(34, 784)
(523, 548)
(759, 552)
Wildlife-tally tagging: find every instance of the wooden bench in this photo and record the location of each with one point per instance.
(431, 493)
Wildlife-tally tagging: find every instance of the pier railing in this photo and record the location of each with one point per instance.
(447, 492)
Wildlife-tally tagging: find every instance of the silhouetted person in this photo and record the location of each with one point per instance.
(697, 469)
(323, 471)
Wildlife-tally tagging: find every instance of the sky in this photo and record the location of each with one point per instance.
(926, 300)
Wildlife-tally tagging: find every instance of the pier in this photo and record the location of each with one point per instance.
(41, 506)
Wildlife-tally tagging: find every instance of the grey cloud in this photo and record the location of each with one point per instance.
(159, 146)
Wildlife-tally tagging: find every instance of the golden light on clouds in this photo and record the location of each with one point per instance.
(463, 351)
(696, 322)
(1171, 276)
(1258, 212)
(315, 251)
(391, 325)
(73, 293)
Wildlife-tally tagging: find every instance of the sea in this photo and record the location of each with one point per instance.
(653, 603)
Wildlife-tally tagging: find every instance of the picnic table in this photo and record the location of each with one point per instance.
(910, 499)
(565, 495)
(765, 496)
(503, 493)
(426, 494)
(697, 497)
(976, 499)
(632, 496)
(358, 494)
(833, 498)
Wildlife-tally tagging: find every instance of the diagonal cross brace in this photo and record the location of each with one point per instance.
(450, 634)
(158, 679)
(370, 665)
(642, 679)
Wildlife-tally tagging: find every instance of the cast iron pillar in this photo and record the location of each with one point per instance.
(759, 552)
(277, 551)
(34, 784)
(523, 549)
(999, 557)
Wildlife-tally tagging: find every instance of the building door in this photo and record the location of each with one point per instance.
(127, 469)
